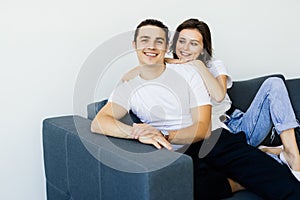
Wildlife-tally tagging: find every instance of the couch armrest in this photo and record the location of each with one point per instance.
(83, 165)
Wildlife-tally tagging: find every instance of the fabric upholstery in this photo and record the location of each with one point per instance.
(83, 165)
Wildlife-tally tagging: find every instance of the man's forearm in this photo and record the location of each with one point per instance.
(190, 134)
(107, 125)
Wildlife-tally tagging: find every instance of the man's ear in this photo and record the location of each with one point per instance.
(133, 45)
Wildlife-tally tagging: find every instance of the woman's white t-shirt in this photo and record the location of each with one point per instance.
(217, 68)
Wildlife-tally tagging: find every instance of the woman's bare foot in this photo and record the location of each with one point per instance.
(273, 150)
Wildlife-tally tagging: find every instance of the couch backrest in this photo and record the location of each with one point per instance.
(243, 92)
(94, 108)
(293, 86)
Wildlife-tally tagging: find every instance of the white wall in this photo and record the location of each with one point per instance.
(44, 44)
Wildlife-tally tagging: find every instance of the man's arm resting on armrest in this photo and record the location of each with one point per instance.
(107, 121)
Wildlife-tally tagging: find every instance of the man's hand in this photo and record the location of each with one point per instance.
(156, 140)
(143, 129)
(147, 134)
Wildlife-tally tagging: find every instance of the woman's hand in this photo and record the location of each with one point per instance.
(131, 74)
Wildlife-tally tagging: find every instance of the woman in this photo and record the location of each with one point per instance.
(271, 105)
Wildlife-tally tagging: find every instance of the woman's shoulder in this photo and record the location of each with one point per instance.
(214, 62)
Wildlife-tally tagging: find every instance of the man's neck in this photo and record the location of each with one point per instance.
(149, 72)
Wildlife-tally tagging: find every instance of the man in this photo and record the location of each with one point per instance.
(174, 106)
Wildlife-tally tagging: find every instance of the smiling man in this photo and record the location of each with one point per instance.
(174, 106)
(167, 110)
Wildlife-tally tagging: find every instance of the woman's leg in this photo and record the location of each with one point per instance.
(291, 151)
(272, 105)
(253, 169)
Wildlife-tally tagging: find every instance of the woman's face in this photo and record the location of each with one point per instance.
(189, 44)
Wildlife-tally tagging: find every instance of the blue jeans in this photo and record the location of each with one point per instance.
(270, 107)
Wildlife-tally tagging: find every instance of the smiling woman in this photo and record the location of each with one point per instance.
(271, 107)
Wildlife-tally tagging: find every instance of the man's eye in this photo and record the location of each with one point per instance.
(144, 40)
(159, 42)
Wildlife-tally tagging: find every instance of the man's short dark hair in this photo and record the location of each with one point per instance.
(152, 22)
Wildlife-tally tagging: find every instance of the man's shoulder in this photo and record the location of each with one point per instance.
(126, 87)
(187, 72)
(183, 69)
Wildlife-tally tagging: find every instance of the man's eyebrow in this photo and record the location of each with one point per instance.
(144, 37)
(160, 38)
(147, 37)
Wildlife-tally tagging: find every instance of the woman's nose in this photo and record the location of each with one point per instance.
(186, 46)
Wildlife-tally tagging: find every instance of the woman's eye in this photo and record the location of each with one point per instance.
(181, 41)
(194, 44)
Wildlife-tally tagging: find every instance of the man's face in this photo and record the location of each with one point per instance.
(151, 45)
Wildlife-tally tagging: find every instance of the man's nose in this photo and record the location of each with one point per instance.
(152, 45)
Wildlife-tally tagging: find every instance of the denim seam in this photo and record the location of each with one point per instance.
(255, 124)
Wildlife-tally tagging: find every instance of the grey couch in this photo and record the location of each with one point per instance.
(81, 165)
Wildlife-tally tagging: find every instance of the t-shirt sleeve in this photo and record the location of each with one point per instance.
(120, 96)
(199, 95)
(217, 68)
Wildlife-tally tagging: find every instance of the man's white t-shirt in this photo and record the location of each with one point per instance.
(164, 102)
